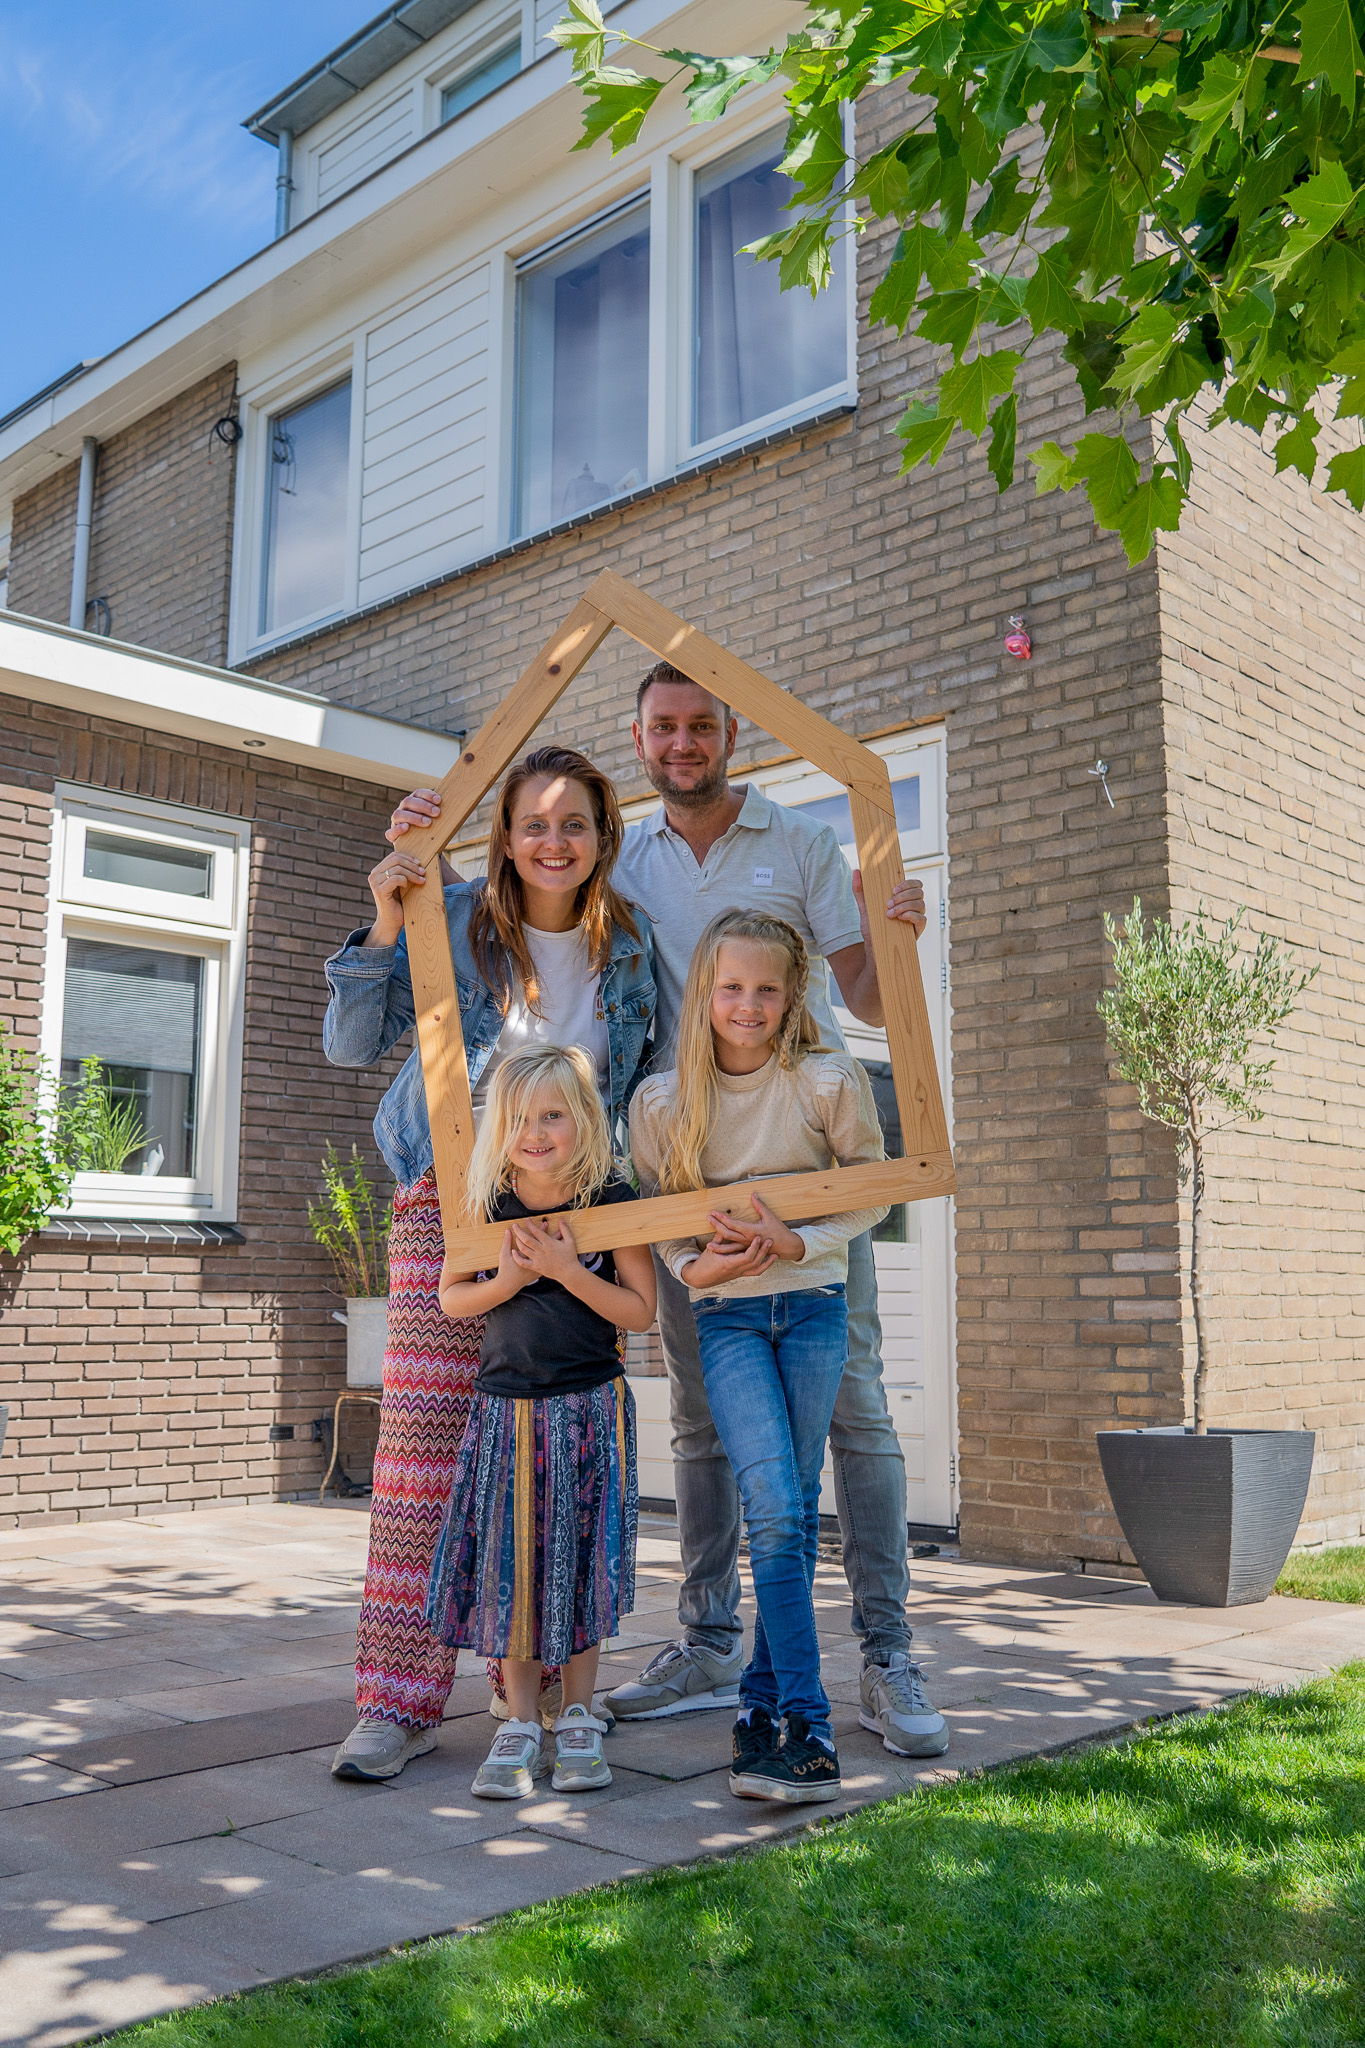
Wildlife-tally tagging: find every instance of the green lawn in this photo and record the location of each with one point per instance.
(1204, 1884)
(1325, 1574)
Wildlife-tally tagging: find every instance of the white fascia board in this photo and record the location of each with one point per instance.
(47, 664)
(509, 142)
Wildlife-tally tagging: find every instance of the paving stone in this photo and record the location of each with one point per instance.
(69, 1986)
(259, 1698)
(151, 1885)
(35, 1729)
(33, 1780)
(172, 1751)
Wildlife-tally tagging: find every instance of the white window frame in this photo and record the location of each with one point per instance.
(502, 28)
(258, 410)
(214, 929)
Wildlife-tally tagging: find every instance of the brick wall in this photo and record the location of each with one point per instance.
(1262, 607)
(161, 535)
(150, 1380)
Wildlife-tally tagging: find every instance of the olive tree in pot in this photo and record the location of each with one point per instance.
(1209, 1513)
(351, 1224)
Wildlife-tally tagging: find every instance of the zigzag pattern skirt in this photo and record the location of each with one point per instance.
(537, 1554)
(402, 1671)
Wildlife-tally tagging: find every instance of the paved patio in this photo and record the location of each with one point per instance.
(171, 1690)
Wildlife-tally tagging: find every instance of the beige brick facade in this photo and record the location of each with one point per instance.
(149, 1378)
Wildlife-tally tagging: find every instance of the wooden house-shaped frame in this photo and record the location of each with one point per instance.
(927, 1167)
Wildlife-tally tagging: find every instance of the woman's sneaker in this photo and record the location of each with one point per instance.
(895, 1706)
(379, 1749)
(512, 1765)
(800, 1769)
(579, 1764)
(754, 1743)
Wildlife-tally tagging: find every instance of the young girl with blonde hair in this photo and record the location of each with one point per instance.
(535, 1562)
(753, 1095)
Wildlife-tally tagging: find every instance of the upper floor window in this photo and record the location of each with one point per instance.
(484, 78)
(758, 350)
(143, 996)
(308, 452)
(582, 401)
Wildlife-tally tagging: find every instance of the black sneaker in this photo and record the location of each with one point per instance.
(798, 1771)
(755, 1745)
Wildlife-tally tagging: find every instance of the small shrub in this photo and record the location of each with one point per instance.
(351, 1223)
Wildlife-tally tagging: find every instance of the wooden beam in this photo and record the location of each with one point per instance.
(795, 1197)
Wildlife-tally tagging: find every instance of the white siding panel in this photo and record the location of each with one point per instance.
(426, 375)
(369, 144)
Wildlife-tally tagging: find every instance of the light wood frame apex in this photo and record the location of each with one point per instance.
(926, 1169)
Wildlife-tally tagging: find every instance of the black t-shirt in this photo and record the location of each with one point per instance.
(545, 1340)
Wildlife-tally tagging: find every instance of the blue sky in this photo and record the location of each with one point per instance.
(128, 182)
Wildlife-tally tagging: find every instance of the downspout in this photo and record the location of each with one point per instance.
(85, 506)
(284, 182)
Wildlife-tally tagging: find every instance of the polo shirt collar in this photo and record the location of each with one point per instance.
(755, 813)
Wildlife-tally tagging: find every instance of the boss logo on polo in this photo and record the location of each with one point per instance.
(763, 878)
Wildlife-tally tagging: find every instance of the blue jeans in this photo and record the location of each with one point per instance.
(771, 1364)
(869, 1478)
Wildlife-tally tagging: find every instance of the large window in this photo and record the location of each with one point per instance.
(758, 351)
(143, 1000)
(307, 478)
(583, 372)
(483, 78)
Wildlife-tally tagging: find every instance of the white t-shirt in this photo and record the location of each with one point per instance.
(571, 999)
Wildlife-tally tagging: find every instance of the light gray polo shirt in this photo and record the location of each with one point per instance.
(772, 859)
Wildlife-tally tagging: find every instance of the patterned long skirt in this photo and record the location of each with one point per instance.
(402, 1671)
(537, 1555)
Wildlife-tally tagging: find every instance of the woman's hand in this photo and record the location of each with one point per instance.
(545, 1246)
(731, 1255)
(389, 882)
(415, 811)
(785, 1242)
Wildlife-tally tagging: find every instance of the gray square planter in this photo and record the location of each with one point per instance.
(1209, 1518)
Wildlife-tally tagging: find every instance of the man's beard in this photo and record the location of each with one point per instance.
(707, 792)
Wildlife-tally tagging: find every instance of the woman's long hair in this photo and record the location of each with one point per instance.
(696, 1098)
(496, 926)
(539, 1070)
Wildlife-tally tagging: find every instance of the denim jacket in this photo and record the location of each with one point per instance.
(371, 1008)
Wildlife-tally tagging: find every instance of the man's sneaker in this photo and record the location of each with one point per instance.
(379, 1749)
(579, 1764)
(515, 1761)
(754, 1742)
(682, 1679)
(798, 1770)
(550, 1706)
(895, 1706)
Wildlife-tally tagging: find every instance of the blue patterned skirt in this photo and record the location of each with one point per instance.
(536, 1556)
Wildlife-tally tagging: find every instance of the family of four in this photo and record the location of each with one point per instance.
(666, 986)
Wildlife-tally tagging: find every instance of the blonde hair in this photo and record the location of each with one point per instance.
(539, 1070)
(696, 1100)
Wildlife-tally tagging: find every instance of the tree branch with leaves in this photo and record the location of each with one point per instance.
(1192, 229)
(1185, 1017)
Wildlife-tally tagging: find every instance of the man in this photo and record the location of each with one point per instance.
(718, 846)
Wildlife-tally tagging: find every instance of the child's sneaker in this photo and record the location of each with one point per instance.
(515, 1761)
(579, 1764)
(550, 1706)
(802, 1768)
(754, 1743)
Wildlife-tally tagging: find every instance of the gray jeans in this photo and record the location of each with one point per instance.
(869, 1478)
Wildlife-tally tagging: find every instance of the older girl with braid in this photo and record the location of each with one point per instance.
(754, 1095)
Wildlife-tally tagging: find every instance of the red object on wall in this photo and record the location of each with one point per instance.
(1017, 641)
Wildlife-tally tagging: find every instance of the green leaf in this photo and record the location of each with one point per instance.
(920, 252)
(1346, 472)
(583, 34)
(802, 254)
(1054, 469)
(1002, 298)
(617, 104)
(1049, 300)
(1219, 91)
(1184, 468)
(718, 79)
(951, 319)
(924, 433)
(1005, 207)
(1329, 47)
(936, 46)
(1155, 503)
(1146, 345)
(1319, 203)
(1004, 427)
(884, 182)
(1107, 467)
(968, 388)
(1298, 448)
(817, 156)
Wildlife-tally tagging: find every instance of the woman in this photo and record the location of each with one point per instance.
(545, 952)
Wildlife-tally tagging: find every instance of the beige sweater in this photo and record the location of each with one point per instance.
(795, 1120)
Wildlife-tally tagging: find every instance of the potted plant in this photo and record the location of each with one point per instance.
(1209, 1513)
(351, 1224)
